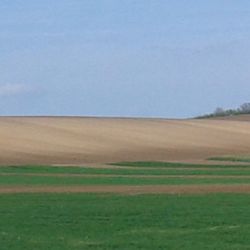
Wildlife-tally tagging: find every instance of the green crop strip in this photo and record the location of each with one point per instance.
(83, 221)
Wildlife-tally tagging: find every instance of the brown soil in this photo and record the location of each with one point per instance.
(130, 176)
(131, 190)
(76, 140)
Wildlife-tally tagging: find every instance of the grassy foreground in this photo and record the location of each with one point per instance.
(109, 221)
(82, 221)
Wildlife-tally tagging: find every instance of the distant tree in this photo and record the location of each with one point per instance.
(219, 111)
(245, 108)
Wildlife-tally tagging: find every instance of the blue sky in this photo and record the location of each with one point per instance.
(156, 58)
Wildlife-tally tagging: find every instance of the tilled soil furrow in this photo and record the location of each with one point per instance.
(130, 190)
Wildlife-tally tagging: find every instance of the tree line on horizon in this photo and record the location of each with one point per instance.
(241, 110)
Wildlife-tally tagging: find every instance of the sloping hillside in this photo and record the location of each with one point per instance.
(62, 140)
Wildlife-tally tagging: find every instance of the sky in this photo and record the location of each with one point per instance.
(133, 58)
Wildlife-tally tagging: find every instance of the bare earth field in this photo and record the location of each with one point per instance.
(132, 190)
(76, 140)
(93, 142)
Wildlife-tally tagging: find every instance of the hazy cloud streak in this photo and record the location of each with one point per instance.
(14, 89)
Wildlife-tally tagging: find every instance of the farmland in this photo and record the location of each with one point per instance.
(71, 183)
(124, 125)
(81, 140)
(138, 174)
(94, 221)
(140, 205)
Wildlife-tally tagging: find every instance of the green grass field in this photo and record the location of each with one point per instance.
(230, 170)
(36, 175)
(65, 181)
(48, 221)
(82, 221)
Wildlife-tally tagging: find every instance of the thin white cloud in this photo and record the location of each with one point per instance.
(14, 89)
